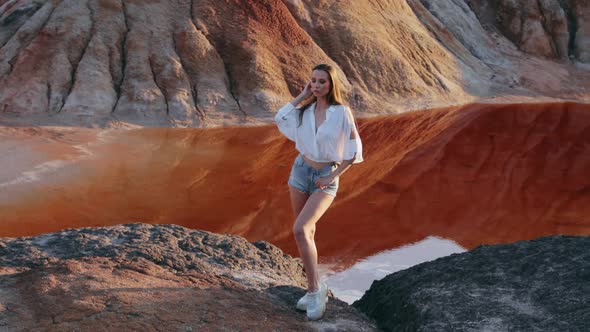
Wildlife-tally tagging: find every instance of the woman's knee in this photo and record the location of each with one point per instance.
(299, 232)
(302, 233)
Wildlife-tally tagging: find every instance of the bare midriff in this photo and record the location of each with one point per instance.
(315, 164)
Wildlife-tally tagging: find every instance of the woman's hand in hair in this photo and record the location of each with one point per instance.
(306, 93)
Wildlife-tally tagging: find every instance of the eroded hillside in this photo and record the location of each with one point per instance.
(214, 63)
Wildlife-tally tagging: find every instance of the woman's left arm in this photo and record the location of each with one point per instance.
(343, 167)
(324, 182)
(353, 150)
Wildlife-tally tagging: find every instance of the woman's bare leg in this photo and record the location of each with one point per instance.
(298, 200)
(304, 231)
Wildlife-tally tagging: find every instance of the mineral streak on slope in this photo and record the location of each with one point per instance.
(474, 174)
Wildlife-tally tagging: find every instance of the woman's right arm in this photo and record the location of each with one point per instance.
(286, 117)
(287, 121)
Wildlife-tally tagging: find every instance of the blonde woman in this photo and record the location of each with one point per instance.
(327, 140)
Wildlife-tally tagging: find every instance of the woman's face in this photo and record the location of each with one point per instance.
(320, 83)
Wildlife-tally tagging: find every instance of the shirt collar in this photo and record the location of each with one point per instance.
(330, 109)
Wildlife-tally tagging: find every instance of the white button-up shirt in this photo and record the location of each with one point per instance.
(336, 139)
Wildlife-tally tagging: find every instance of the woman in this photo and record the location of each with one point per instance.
(327, 139)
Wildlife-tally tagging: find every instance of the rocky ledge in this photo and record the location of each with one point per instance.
(141, 277)
(538, 285)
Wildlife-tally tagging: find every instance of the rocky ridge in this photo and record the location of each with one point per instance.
(169, 278)
(144, 277)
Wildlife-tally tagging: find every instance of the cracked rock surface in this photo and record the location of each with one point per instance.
(140, 277)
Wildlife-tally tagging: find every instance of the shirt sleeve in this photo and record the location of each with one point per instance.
(286, 120)
(353, 147)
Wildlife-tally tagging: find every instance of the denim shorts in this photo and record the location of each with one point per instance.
(303, 177)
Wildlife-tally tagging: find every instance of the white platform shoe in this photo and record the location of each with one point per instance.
(314, 303)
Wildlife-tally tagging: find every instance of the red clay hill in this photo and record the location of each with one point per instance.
(209, 63)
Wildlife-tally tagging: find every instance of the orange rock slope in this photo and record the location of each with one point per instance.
(482, 173)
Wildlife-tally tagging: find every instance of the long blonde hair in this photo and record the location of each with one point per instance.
(334, 95)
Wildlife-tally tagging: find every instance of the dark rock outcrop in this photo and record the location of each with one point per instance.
(140, 277)
(538, 285)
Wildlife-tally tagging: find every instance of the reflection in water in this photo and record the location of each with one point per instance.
(349, 285)
(479, 174)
